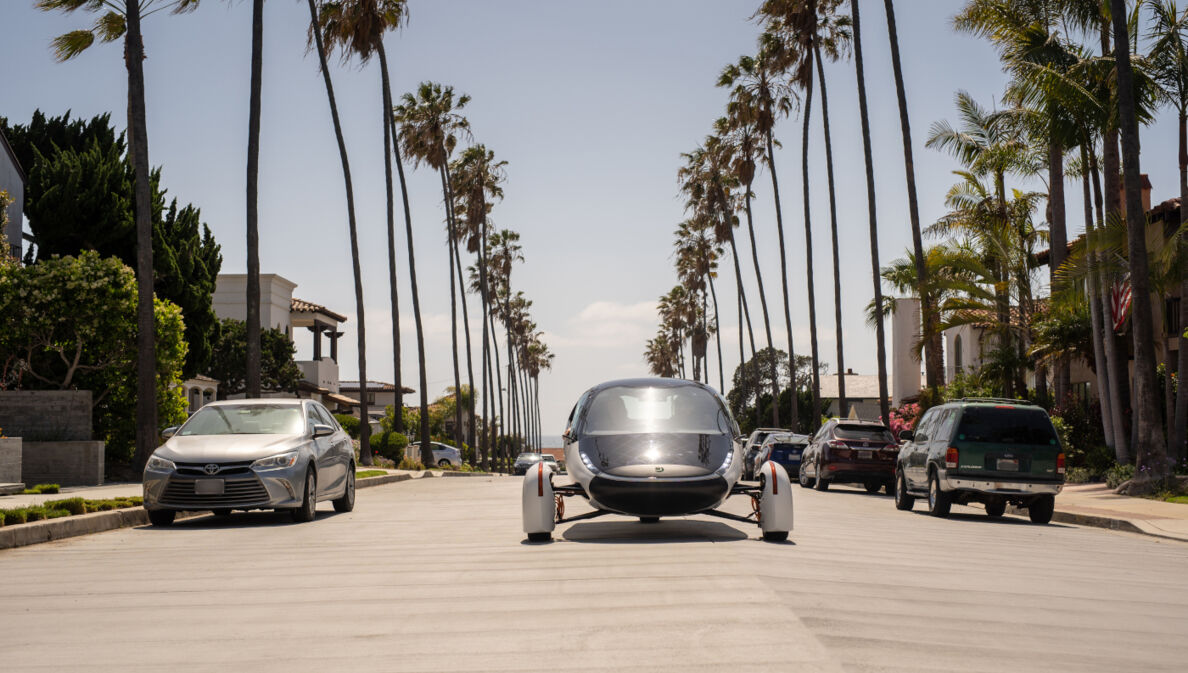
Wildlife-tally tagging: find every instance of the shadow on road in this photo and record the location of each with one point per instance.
(253, 519)
(981, 518)
(664, 531)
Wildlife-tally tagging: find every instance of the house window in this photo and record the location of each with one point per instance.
(1171, 317)
(371, 398)
(958, 361)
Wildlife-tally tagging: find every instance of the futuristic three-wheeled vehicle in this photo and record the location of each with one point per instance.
(652, 448)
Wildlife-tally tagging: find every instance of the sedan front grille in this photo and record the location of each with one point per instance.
(179, 492)
(225, 469)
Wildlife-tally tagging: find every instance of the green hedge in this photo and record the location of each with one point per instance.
(348, 423)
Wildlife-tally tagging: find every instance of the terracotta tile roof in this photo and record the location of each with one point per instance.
(302, 306)
(372, 386)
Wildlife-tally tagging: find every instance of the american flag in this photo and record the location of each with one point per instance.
(1120, 302)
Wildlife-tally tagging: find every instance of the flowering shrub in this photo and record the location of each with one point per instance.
(903, 418)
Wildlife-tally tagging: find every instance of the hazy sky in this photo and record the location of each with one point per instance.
(590, 103)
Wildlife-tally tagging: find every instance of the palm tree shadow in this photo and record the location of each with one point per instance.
(664, 531)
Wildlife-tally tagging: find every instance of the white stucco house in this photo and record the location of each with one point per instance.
(13, 181)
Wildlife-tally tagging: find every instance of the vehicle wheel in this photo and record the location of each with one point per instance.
(822, 483)
(995, 508)
(161, 517)
(775, 535)
(222, 511)
(444, 462)
(347, 502)
(540, 537)
(939, 502)
(903, 499)
(1040, 510)
(873, 487)
(309, 500)
(805, 482)
(649, 519)
(890, 486)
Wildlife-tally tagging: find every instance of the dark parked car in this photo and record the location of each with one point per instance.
(524, 461)
(752, 446)
(784, 448)
(982, 450)
(846, 451)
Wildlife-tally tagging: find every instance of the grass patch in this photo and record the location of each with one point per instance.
(363, 474)
(42, 489)
(56, 509)
(1178, 499)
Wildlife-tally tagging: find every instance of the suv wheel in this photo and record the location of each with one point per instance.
(805, 482)
(1040, 510)
(995, 508)
(939, 502)
(903, 499)
(822, 483)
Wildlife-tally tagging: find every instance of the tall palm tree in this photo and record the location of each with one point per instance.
(1169, 58)
(252, 354)
(1151, 449)
(357, 27)
(880, 338)
(758, 98)
(315, 34)
(123, 20)
(430, 126)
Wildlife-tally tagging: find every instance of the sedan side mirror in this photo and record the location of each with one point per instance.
(170, 431)
(906, 435)
(322, 430)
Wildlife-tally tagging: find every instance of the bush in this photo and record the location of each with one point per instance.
(55, 513)
(348, 423)
(1078, 475)
(1118, 475)
(34, 513)
(42, 488)
(71, 505)
(406, 464)
(389, 445)
(14, 516)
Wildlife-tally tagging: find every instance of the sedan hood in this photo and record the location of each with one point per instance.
(226, 448)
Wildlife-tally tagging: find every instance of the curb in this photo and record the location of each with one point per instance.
(1095, 521)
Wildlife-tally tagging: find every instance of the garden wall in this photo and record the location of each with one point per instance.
(65, 463)
(10, 460)
(46, 415)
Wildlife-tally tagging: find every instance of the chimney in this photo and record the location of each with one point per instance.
(1145, 185)
(849, 372)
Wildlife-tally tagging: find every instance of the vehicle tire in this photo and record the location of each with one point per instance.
(890, 486)
(161, 517)
(540, 537)
(444, 462)
(995, 508)
(346, 502)
(309, 500)
(804, 480)
(775, 535)
(222, 511)
(903, 499)
(1040, 510)
(649, 519)
(939, 502)
(822, 483)
(873, 487)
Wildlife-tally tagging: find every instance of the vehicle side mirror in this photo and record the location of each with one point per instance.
(906, 435)
(322, 430)
(170, 431)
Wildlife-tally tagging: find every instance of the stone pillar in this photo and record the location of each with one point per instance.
(334, 334)
(317, 340)
(905, 365)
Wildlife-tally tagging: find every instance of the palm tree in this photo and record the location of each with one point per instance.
(430, 125)
(123, 20)
(252, 354)
(357, 27)
(1169, 58)
(880, 344)
(697, 254)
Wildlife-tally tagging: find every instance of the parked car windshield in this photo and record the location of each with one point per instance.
(863, 433)
(528, 457)
(1007, 425)
(245, 419)
(687, 409)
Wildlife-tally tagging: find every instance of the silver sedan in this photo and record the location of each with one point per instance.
(280, 454)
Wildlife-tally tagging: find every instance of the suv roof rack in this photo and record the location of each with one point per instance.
(999, 400)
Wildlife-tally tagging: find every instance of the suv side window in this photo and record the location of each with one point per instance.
(944, 427)
(924, 427)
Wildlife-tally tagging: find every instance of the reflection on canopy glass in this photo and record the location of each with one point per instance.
(245, 419)
(655, 410)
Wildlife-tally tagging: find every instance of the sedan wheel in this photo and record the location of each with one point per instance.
(347, 502)
(444, 462)
(309, 502)
(161, 517)
(822, 483)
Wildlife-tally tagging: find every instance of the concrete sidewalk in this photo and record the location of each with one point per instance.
(1098, 505)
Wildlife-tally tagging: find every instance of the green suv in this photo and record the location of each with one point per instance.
(981, 450)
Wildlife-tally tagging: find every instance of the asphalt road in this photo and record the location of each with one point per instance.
(433, 575)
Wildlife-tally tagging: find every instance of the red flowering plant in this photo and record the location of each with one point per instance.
(903, 418)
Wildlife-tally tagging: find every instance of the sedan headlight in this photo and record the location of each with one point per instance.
(288, 459)
(159, 464)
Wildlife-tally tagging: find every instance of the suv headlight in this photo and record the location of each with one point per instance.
(159, 464)
(287, 459)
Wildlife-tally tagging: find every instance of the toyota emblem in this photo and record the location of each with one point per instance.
(211, 468)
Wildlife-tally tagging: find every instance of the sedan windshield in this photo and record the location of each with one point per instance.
(687, 409)
(245, 419)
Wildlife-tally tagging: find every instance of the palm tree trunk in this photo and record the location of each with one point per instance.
(775, 388)
(364, 424)
(841, 363)
(470, 429)
(393, 287)
(1115, 361)
(718, 331)
(1094, 290)
(502, 424)
(794, 414)
(934, 372)
(744, 313)
(1179, 441)
(486, 311)
(1002, 298)
(146, 352)
(808, 256)
(252, 357)
(1059, 246)
(880, 338)
(1151, 450)
(426, 451)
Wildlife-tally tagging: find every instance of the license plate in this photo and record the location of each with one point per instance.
(865, 455)
(1008, 464)
(208, 487)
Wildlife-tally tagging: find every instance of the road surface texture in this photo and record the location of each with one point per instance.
(433, 575)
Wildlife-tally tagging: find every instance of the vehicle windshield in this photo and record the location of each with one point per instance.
(528, 457)
(245, 419)
(549, 459)
(787, 446)
(685, 409)
(1011, 425)
(863, 433)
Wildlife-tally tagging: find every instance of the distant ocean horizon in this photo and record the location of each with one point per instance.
(551, 442)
